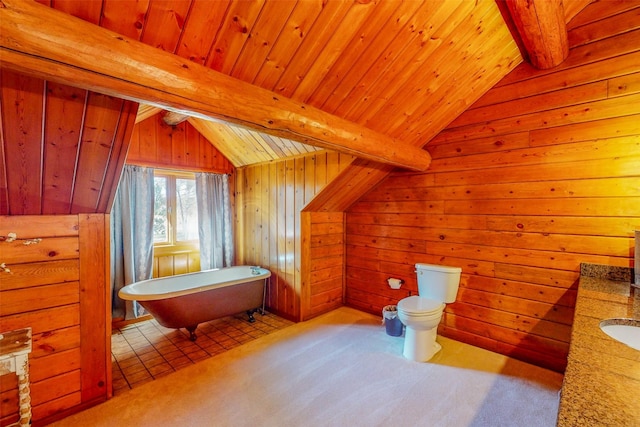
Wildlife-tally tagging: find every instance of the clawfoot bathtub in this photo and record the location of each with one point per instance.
(186, 300)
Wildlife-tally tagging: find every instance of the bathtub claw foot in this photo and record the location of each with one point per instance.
(250, 314)
(192, 332)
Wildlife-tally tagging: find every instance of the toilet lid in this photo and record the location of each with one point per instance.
(419, 305)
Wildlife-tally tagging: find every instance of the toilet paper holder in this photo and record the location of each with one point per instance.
(394, 283)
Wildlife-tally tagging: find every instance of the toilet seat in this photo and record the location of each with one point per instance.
(420, 306)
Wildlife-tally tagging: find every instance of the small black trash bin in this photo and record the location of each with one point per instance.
(391, 321)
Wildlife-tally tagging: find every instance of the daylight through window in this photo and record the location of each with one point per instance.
(175, 220)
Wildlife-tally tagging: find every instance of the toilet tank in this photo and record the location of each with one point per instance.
(438, 282)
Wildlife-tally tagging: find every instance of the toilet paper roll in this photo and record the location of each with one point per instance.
(394, 283)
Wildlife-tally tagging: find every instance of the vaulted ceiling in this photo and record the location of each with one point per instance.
(377, 79)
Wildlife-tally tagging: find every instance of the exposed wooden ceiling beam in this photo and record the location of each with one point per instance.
(541, 26)
(173, 119)
(40, 41)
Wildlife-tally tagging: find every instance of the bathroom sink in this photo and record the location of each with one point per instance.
(627, 331)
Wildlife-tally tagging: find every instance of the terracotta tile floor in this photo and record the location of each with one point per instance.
(141, 352)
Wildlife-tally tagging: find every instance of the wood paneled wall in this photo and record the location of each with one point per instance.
(61, 148)
(181, 147)
(539, 175)
(270, 197)
(323, 256)
(58, 288)
(170, 263)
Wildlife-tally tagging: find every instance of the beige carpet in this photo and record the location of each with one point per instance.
(340, 369)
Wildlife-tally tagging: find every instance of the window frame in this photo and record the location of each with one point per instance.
(172, 246)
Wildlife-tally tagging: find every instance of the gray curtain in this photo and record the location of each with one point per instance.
(214, 220)
(131, 236)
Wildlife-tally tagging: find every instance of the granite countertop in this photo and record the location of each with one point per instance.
(602, 381)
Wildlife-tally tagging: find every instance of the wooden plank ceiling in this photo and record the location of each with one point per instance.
(404, 69)
(242, 146)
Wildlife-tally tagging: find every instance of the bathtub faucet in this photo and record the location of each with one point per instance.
(255, 270)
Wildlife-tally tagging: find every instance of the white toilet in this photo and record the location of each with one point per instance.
(421, 314)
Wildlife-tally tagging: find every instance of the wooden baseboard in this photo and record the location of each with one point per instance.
(121, 323)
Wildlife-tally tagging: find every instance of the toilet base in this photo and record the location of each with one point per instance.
(420, 345)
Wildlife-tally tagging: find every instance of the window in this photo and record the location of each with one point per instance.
(175, 221)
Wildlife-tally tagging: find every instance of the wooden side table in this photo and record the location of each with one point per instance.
(15, 347)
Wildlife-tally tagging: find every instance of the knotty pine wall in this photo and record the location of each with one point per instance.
(541, 174)
(322, 266)
(269, 231)
(61, 148)
(171, 263)
(181, 147)
(58, 288)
